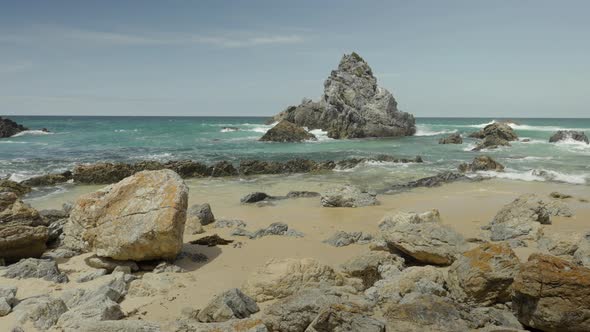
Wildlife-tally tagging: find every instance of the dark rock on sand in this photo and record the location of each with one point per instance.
(562, 135)
(451, 139)
(48, 179)
(302, 194)
(211, 241)
(276, 228)
(352, 106)
(9, 128)
(102, 173)
(286, 131)
(432, 181)
(481, 163)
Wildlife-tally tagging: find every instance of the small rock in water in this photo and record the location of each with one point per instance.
(254, 197)
(564, 135)
(286, 131)
(482, 163)
(451, 139)
(211, 241)
(341, 238)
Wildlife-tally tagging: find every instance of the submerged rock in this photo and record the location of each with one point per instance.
(254, 197)
(481, 163)
(139, 218)
(347, 196)
(10, 128)
(564, 135)
(286, 131)
(352, 106)
(451, 139)
(551, 294)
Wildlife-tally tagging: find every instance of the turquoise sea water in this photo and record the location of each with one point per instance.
(76, 140)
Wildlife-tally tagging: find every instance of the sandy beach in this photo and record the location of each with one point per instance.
(463, 206)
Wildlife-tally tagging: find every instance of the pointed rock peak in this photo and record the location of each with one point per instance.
(355, 65)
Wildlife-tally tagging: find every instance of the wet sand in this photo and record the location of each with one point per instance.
(463, 206)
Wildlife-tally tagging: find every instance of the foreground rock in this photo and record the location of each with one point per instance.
(565, 135)
(551, 294)
(10, 128)
(352, 106)
(368, 265)
(345, 317)
(481, 163)
(348, 196)
(35, 268)
(227, 305)
(18, 242)
(484, 274)
(286, 131)
(523, 218)
(279, 278)
(424, 239)
(139, 218)
(19, 189)
(451, 139)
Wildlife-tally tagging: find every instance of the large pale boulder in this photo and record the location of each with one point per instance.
(279, 278)
(347, 196)
(484, 274)
(522, 218)
(551, 294)
(140, 218)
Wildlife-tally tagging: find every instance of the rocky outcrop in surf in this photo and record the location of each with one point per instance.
(286, 131)
(10, 128)
(564, 135)
(494, 135)
(352, 106)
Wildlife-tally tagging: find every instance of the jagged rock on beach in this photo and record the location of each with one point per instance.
(481, 163)
(35, 268)
(348, 196)
(302, 194)
(229, 223)
(286, 131)
(18, 242)
(139, 218)
(197, 216)
(352, 106)
(342, 239)
(451, 139)
(345, 317)
(42, 312)
(564, 135)
(228, 305)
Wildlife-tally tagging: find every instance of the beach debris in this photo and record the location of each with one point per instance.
(451, 139)
(565, 135)
(348, 196)
(352, 106)
(228, 305)
(150, 206)
(286, 131)
(546, 292)
(342, 239)
(481, 163)
(211, 241)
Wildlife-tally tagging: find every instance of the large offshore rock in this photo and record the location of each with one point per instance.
(551, 294)
(286, 131)
(10, 128)
(139, 218)
(484, 274)
(352, 106)
(279, 278)
(564, 135)
(18, 242)
(494, 135)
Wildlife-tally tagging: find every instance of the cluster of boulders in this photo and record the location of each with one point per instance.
(106, 173)
(494, 135)
(352, 106)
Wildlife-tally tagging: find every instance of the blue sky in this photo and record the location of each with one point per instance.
(439, 58)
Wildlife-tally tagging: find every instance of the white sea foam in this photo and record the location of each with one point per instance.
(517, 126)
(321, 135)
(537, 175)
(32, 133)
(228, 130)
(424, 130)
(125, 130)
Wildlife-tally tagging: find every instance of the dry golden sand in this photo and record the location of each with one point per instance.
(463, 206)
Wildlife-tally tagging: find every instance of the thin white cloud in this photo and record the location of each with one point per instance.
(107, 38)
(6, 68)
